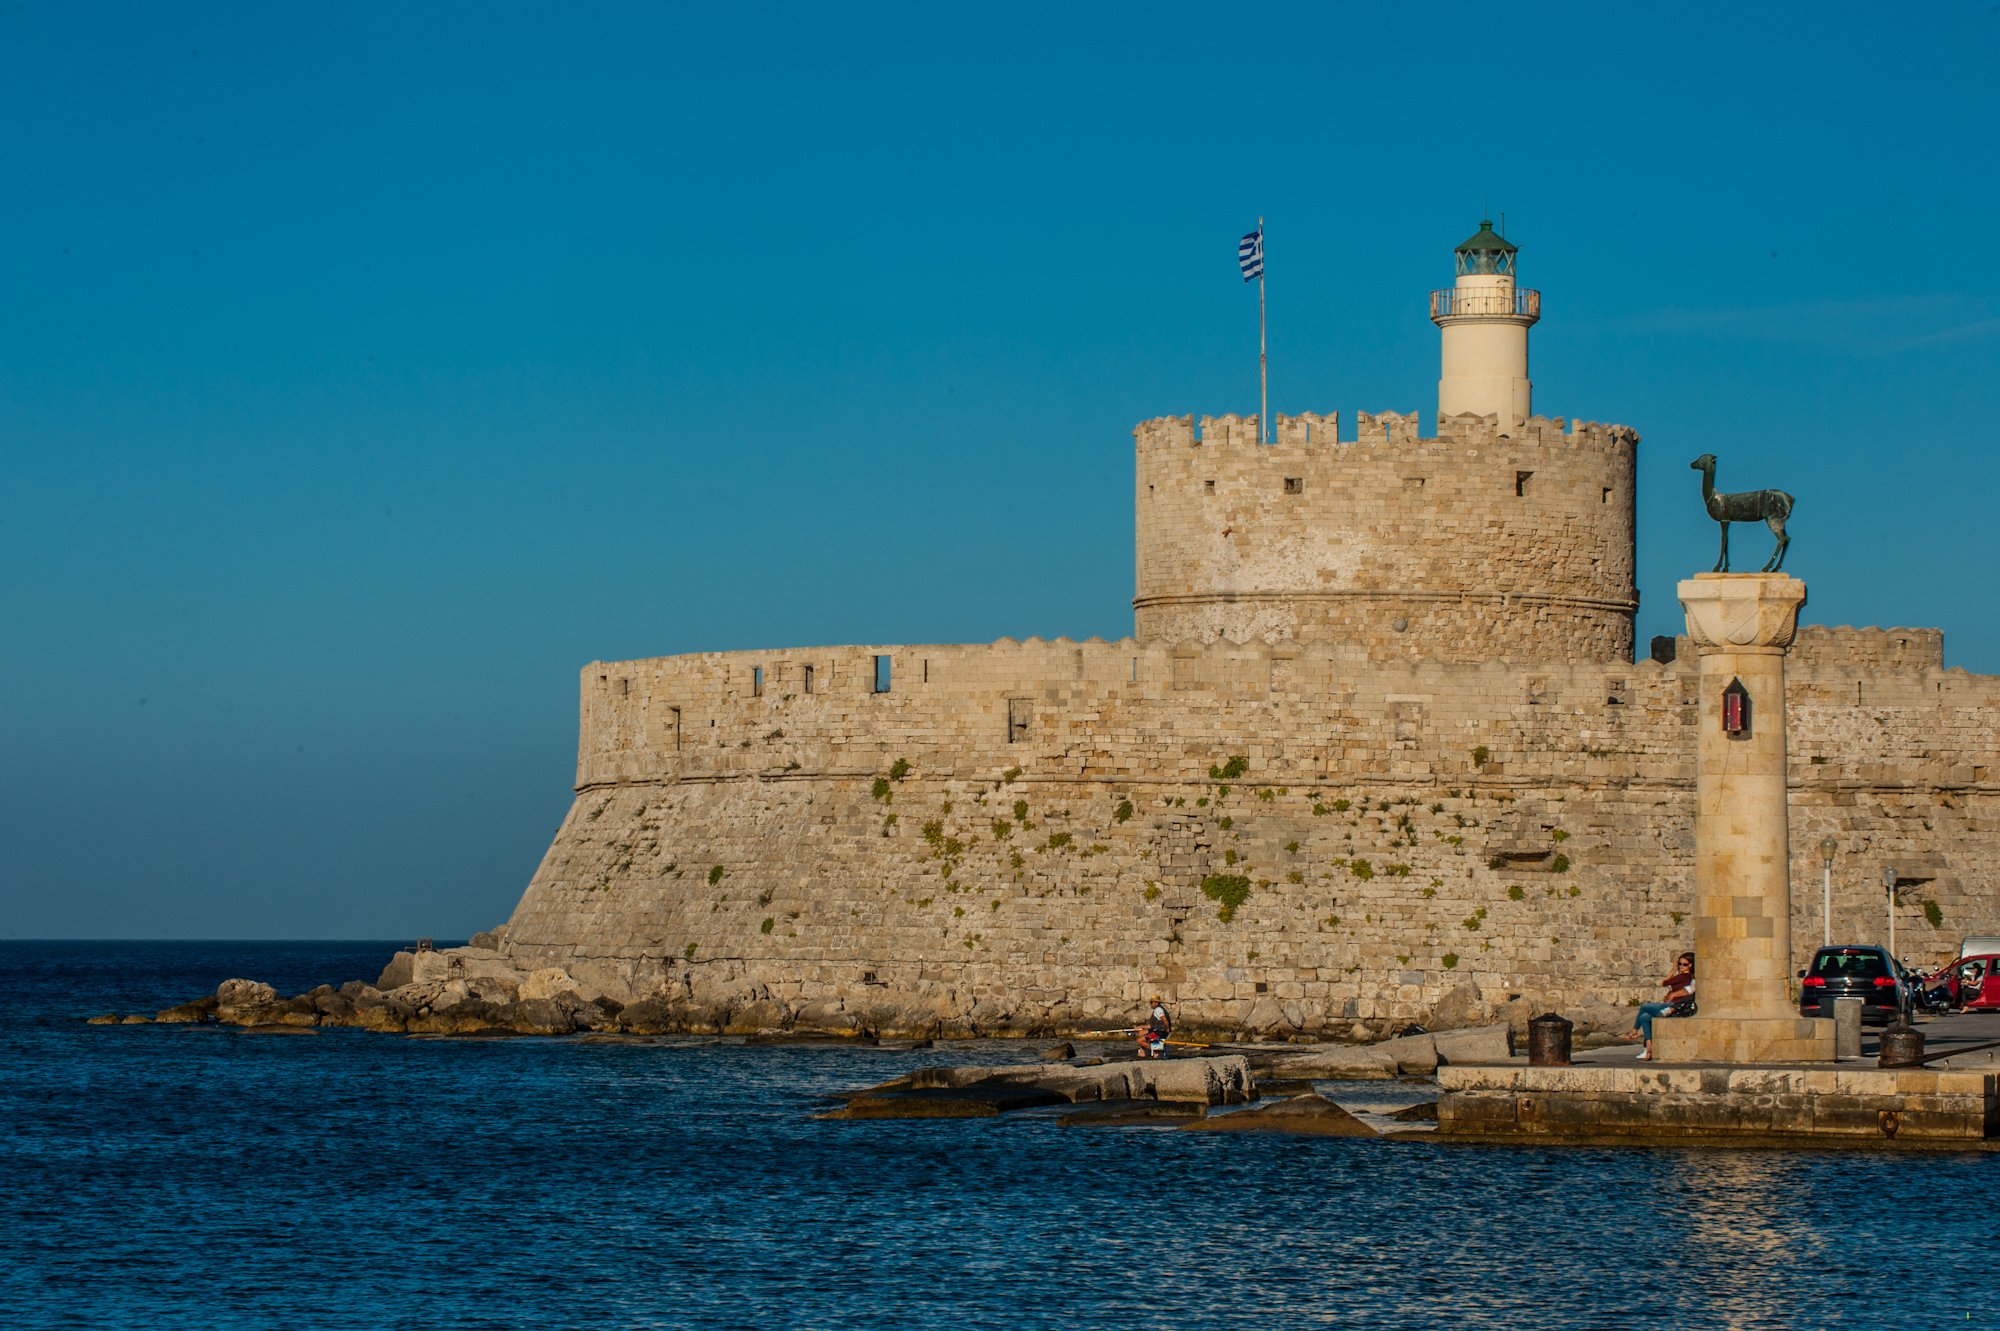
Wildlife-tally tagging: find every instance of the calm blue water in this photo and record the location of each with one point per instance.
(176, 1177)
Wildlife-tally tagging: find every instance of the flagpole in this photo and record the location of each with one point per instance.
(1263, 365)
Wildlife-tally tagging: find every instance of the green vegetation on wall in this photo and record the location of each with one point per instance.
(1232, 890)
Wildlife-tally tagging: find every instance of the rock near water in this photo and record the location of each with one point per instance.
(1313, 1115)
(959, 1092)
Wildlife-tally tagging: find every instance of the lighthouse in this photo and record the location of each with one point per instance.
(1484, 319)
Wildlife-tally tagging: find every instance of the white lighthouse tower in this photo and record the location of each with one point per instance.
(1485, 319)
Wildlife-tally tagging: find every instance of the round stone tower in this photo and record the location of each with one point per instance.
(1485, 317)
(1509, 536)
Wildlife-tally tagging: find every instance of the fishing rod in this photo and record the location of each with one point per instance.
(1133, 1030)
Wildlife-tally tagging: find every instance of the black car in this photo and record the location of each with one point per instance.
(1856, 971)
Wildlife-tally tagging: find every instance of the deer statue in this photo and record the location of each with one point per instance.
(1770, 507)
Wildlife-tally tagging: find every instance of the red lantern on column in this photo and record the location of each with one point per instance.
(1736, 710)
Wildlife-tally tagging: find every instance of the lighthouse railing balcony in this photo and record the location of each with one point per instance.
(1472, 302)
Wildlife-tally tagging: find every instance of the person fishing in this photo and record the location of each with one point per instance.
(1153, 1035)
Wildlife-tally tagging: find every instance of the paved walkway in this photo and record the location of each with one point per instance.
(1941, 1034)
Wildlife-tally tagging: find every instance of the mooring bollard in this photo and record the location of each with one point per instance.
(1548, 1041)
(1902, 1047)
(1846, 1028)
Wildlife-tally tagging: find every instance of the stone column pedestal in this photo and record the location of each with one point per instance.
(1742, 624)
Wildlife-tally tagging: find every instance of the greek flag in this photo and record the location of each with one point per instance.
(1250, 255)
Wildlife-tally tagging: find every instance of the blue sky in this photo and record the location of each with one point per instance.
(367, 369)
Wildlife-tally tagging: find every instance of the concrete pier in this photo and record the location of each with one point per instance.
(1839, 1105)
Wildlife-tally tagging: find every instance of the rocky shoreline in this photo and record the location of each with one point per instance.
(460, 991)
(479, 990)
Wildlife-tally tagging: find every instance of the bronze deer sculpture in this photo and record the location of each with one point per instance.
(1770, 507)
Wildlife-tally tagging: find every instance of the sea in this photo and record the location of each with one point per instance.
(171, 1176)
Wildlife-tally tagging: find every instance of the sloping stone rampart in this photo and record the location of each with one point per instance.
(1039, 865)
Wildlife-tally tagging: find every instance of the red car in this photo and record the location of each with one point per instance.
(1973, 982)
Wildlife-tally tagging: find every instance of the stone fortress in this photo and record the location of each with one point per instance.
(1377, 752)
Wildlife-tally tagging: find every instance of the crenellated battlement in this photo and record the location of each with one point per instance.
(1307, 430)
(1472, 544)
(1387, 428)
(1030, 702)
(1891, 649)
(1311, 430)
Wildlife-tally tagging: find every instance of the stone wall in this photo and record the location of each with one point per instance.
(1878, 649)
(1480, 545)
(760, 857)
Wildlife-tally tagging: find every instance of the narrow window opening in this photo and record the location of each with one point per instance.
(624, 688)
(1210, 485)
(676, 724)
(1263, 988)
(756, 681)
(809, 679)
(1521, 479)
(881, 674)
(1607, 494)
(927, 670)
(868, 977)
(1135, 670)
(1018, 713)
(1295, 485)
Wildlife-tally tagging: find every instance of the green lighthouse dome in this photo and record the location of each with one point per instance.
(1485, 252)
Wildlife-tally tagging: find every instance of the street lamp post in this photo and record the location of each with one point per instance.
(1889, 882)
(1827, 850)
(1889, 886)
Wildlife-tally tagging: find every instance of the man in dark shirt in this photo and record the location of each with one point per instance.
(1153, 1035)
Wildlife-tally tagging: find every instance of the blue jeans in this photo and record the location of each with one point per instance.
(1648, 1011)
